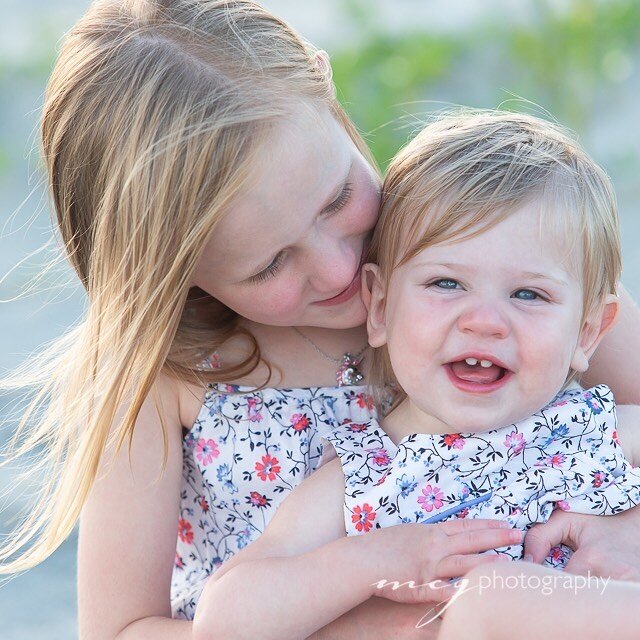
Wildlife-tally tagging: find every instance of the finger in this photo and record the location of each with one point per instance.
(541, 537)
(451, 527)
(482, 540)
(459, 565)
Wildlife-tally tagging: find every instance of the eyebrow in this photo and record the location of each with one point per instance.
(328, 206)
(532, 275)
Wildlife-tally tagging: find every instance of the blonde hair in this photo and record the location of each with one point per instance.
(468, 170)
(155, 114)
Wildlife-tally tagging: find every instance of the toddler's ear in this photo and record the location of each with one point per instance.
(373, 298)
(595, 327)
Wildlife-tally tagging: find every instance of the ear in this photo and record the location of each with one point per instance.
(595, 327)
(322, 61)
(373, 297)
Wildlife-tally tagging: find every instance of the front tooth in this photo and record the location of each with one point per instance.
(485, 363)
(471, 361)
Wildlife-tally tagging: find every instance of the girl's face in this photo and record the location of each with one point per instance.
(482, 332)
(289, 251)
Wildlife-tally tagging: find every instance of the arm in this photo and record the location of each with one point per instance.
(617, 360)
(286, 570)
(127, 535)
(303, 572)
(487, 610)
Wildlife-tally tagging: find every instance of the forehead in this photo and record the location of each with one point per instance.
(303, 161)
(527, 239)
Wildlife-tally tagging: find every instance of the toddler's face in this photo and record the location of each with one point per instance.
(483, 332)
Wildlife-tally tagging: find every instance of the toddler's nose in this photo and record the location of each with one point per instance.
(485, 320)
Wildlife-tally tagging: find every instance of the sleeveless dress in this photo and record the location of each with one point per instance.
(245, 453)
(566, 456)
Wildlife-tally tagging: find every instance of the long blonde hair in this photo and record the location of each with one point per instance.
(154, 115)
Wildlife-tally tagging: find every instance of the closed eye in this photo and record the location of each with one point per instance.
(340, 202)
(269, 271)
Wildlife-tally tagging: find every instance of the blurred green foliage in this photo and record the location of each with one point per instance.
(564, 59)
(569, 58)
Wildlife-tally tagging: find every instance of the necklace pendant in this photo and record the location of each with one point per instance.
(348, 372)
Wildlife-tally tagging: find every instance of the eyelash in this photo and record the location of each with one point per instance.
(538, 295)
(270, 271)
(341, 200)
(333, 208)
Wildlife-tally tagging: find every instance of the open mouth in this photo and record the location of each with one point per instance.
(477, 374)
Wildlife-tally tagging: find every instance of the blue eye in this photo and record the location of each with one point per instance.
(446, 283)
(526, 294)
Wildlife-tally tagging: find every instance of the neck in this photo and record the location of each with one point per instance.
(407, 419)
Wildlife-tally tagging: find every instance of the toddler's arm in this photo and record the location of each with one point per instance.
(303, 572)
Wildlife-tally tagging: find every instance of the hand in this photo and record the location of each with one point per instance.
(429, 554)
(606, 546)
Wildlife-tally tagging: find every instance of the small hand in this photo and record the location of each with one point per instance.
(606, 546)
(433, 553)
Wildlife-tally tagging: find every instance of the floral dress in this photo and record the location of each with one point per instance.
(244, 454)
(566, 456)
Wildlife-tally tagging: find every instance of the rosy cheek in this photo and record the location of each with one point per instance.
(284, 300)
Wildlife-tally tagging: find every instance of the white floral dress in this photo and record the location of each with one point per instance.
(244, 454)
(566, 456)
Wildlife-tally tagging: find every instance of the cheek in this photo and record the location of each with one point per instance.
(365, 210)
(276, 304)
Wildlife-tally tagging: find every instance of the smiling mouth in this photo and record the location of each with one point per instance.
(477, 375)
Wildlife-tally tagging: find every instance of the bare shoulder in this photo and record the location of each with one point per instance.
(190, 400)
(128, 525)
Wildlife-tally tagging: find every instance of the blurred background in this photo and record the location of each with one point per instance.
(576, 61)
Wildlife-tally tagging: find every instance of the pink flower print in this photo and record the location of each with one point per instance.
(299, 422)
(185, 531)
(557, 554)
(383, 477)
(258, 500)
(463, 514)
(516, 441)
(204, 505)
(178, 562)
(268, 469)
(431, 498)
(357, 427)
(207, 450)
(379, 456)
(454, 441)
(598, 478)
(252, 410)
(556, 460)
(365, 401)
(363, 517)
(563, 505)
(615, 438)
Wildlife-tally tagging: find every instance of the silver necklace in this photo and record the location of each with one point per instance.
(347, 372)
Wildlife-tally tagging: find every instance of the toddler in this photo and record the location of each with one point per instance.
(496, 262)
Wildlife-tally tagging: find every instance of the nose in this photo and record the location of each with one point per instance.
(484, 318)
(332, 265)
